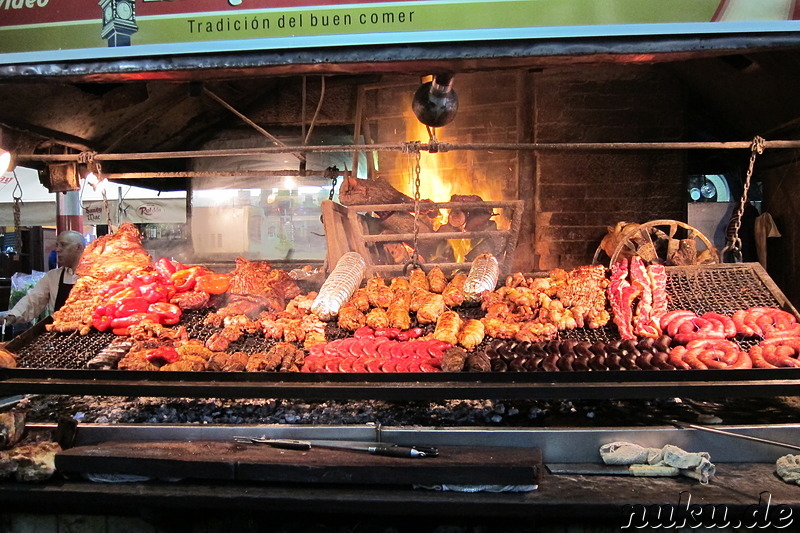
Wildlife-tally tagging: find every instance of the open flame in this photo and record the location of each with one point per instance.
(440, 179)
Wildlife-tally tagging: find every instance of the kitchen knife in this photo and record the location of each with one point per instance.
(374, 448)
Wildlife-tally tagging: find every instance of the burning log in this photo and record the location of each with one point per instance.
(373, 191)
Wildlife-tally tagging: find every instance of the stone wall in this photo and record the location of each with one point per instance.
(579, 193)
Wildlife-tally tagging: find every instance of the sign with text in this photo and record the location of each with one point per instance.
(51, 30)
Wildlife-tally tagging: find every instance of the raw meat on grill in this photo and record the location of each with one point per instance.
(621, 295)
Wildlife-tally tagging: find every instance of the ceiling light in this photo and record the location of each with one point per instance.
(5, 160)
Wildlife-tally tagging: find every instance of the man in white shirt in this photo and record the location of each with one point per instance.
(52, 290)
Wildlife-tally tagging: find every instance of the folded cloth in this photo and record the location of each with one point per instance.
(695, 465)
(788, 468)
(627, 453)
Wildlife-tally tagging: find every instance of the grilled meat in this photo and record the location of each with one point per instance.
(114, 256)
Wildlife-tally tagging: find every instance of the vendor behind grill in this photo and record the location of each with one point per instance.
(52, 290)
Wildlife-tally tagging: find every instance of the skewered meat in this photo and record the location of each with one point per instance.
(453, 294)
(447, 327)
(350, 318)
(377, 318)
(379, 294)
(417, 279)
(418, 297)
(432, 308)
(398, 311)
(360, 300)
(471, 334)
(114, 256)
(344, 279)
(398, 316)
(437, 282)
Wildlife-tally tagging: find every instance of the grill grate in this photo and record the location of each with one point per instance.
(717, 288)
(63, 350)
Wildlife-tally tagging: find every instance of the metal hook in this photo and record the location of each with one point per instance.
(17, 187)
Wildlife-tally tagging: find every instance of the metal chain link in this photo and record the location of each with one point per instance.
(735, 242)
(332, 173)
(417, 170)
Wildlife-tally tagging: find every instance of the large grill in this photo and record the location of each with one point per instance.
(54, 362)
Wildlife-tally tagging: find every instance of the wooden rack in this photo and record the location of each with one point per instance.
(346, 230)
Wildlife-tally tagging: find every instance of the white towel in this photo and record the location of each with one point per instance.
(788, 468)
(695, 465)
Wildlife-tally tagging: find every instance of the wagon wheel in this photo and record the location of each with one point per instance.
(658, 241)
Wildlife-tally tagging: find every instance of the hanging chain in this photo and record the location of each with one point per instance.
(16, 194)
(417, 170)
(734, 241)
(332, 173)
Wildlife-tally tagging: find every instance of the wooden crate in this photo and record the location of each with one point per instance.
(347, 230)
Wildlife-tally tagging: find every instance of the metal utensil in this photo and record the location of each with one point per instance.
(374, 448)
(685, 425)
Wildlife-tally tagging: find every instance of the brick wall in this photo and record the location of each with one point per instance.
(579, 193)
(571, 197)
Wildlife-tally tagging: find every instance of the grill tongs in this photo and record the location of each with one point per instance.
(374, 448)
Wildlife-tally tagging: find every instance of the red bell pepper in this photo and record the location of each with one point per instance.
(130, 306)
(102, 322)
(134, 319)
(165, 268)
(154, 292)
(184, 280)
(120, 331)
(127, 292)
(111, 289)
(162, 356)
(168, 314)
